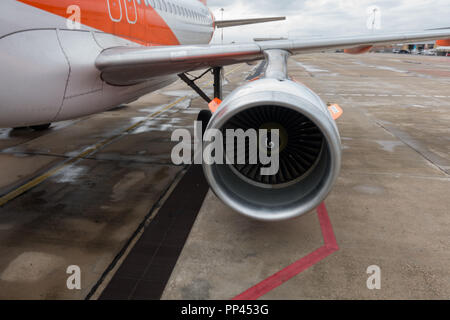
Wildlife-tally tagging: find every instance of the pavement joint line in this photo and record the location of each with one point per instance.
(89, 157)
(423, 155)
(113, 267)
(402, 175)
(89, 151)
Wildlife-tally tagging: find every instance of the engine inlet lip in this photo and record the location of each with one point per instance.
(235, 107)
(317, 114)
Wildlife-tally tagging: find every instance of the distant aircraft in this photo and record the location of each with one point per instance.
(63, 59)
(443, 47)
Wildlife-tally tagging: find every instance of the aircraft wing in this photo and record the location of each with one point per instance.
(126, 66)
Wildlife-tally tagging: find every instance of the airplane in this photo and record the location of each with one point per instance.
(64, 59)
(443, 47)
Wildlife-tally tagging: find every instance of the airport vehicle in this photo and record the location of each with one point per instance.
(429, 52)
(63, 59)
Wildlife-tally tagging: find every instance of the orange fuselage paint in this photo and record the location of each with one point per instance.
(126, 19)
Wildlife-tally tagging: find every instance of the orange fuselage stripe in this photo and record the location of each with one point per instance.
(149, 28)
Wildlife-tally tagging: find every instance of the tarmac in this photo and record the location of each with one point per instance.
(90, 192)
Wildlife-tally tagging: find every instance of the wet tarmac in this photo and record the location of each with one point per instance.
(84, 192)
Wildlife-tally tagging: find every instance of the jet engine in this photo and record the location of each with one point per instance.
(309, 149)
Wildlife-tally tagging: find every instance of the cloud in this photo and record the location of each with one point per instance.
(312, 18)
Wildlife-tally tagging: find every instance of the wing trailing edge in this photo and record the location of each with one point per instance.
(242, 22)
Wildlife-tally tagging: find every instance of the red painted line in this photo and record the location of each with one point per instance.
(329, 238)
(330, 246)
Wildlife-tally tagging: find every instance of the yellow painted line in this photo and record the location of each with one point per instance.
(36, 181)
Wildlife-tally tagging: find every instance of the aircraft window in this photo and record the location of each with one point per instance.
(164, 7)
(178, 10)
(169, 6)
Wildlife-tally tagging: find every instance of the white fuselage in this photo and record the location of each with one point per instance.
(48, 73)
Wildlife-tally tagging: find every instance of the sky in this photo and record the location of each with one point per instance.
(323, 18)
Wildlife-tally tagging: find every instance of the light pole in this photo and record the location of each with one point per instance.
(222, 10)
(375, 10)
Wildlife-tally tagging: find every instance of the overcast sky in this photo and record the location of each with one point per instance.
(311, 18)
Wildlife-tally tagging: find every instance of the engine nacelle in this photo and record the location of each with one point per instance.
(309, 150)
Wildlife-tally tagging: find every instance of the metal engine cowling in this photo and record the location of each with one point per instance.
(310, 150)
